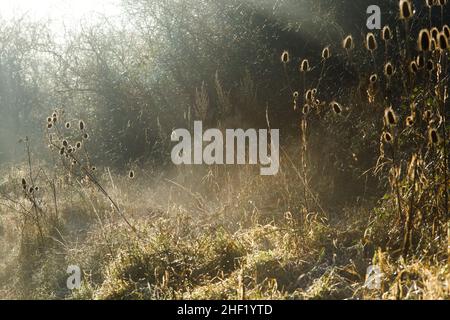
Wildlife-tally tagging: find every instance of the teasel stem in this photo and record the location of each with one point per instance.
(288, 79)
(32, 195)
(304, 125)
(411, 213)
(397, 187)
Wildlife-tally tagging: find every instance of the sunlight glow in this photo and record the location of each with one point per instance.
(69, 12)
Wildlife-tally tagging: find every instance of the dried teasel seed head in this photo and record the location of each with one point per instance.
(31, 190)
(386, 33)
(406, 9)
(295, 94)
(434, 45)
(131, 174)
(306, 109)
(424, 40)
(387, 137)
(49, 119)
(326, 54)
(67, 125)
(85, 136)
(389, 70)
(285, 57)
(371, 42)
(309, 95)
(390, 117)
(62, 150)
(49, 125)
(373, 78)
(36, 189)
(336, 107)
(446, 31)
(304, 66)
(81, 125)
(442, 41)
(413, 67)
(65, 143)
(429, 3)
(441, 3)
(410, 121)
(433, 136)
(347, 44)
(93, 168)
(420, 60)
(78, 145)
(434, 32)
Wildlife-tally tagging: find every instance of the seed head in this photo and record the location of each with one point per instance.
(410, 121)
(413, 67)
(371, 42)
(420, 60)
(406, 10)
(68, 125)
(442, 41)
(387, 136)
(424, 40)
(81, 125)
(434, 33)
(388, 70)
(306, 109)
(390, 117)
(336, 107)
(304, 66)
(285, 57)
(433, 136)
(347, 44)
(446, 31)
(131, 174)
(326, 54)
(373, 78)
(386, 33)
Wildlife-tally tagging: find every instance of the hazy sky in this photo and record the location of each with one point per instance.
(68, 11)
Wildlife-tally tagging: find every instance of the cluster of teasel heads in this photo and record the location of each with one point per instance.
(432, 43)
(66, 148)
(59, 141)
(29, 189)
